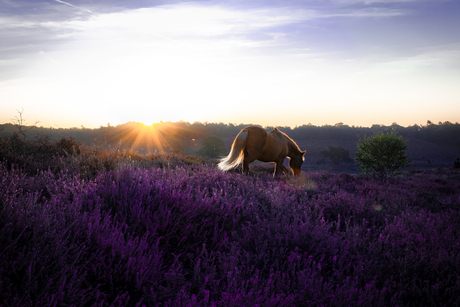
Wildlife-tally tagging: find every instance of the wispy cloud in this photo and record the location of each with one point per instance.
(77, 7)
(215, 29)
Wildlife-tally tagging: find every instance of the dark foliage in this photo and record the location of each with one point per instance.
(213, 147)
(37, 154)
(338, 155)
(104, 227)
(181, 135)
(457, 163)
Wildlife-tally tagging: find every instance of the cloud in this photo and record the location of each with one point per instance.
(214, 30)
(77, 7)
(202, 23)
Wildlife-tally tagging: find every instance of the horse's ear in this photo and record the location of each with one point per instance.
(303, 152)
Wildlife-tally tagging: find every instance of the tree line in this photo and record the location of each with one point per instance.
(184, 136)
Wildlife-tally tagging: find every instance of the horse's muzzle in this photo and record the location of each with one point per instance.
(296, 171)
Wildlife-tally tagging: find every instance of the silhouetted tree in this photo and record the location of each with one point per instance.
(20, 123)
(457, 163)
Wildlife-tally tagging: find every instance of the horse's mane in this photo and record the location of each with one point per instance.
(291, 141)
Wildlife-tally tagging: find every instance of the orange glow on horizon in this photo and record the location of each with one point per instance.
(162, 137)
(138, 136)
(150, 137)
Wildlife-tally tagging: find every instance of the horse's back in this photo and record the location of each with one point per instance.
(255, 130)
(276, 144)
(259, 138)
(256, 138)
(277, 136)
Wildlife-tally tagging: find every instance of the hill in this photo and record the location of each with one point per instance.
(108, 227)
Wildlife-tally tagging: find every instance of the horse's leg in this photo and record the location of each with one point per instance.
(246, 162)
(285, 170)
(280, 168)
(247, 159)
(277, 170)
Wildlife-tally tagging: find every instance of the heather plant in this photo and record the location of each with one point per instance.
(382, 154)
(90, 161)
(39, 153)
(148, 233)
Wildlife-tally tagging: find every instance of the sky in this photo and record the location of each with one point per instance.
(274, 63)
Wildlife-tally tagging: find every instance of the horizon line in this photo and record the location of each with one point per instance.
(339, 124)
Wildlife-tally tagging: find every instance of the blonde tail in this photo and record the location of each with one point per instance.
(235, 157)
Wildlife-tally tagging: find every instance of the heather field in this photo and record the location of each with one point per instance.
(101, 227)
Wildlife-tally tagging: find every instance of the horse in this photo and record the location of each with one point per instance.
(254, 143)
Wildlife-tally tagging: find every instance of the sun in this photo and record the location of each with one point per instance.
(149, 137)
(143, 138)
(149, 123)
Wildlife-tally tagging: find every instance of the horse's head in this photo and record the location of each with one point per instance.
(295, 163)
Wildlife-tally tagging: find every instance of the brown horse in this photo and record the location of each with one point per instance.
(254, 143)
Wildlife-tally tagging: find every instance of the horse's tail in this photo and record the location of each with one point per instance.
(235, 157)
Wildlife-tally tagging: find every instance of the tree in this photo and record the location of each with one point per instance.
(20, 123)
(338, 155)
(382, 154)
(457, 163)
(213, 147)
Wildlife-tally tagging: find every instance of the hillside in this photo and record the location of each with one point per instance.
(108, 227)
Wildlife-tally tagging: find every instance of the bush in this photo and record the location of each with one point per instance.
(382, 154)
(36, 154)
(457, 163)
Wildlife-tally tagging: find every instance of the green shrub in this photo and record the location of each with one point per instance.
(382, 154)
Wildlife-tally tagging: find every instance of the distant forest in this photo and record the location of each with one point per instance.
(186, 137)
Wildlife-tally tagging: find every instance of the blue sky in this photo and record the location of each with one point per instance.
(286, 63)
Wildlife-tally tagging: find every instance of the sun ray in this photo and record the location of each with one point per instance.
(140, 137)
(148, 139)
